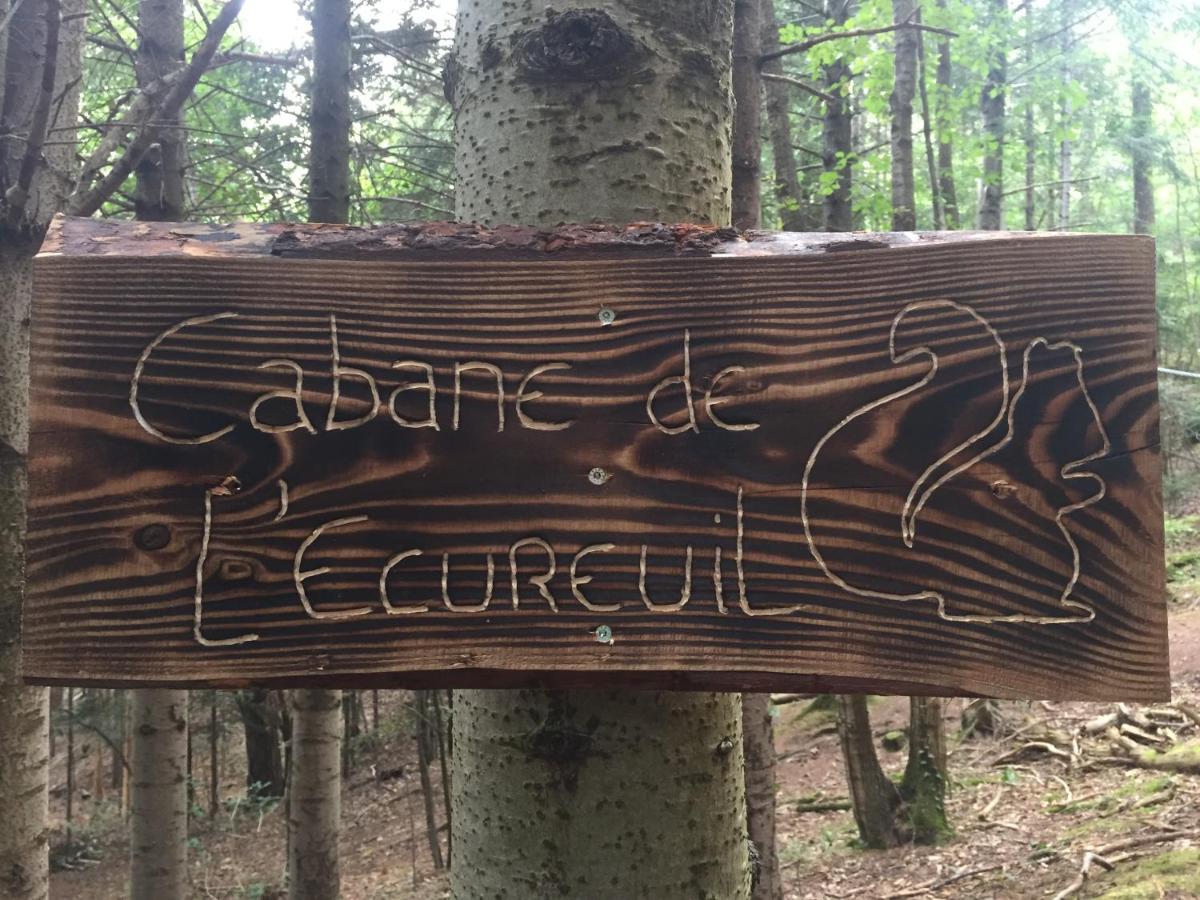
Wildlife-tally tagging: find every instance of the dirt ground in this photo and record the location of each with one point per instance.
(1024, 817)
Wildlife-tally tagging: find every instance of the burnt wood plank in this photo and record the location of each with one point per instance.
(910, 463)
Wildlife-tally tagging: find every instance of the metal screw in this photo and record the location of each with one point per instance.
(598, 476)
(725, 747)
(606, 316)
(603, 634)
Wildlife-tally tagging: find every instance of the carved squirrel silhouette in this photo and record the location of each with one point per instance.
(838, 548)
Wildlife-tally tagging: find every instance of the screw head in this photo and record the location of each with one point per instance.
(606, 316)
(604, 634)
(598, 476)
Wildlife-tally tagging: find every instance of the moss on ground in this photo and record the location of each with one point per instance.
(1174, 873)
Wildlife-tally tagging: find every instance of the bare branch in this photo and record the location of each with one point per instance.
(85, 201)
(803, 85)
(811, 42)
(17, 195)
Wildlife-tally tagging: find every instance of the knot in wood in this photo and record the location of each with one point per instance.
(578, 45)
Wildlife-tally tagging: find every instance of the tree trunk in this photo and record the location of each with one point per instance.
(1064, 111)
(611, 111)
(318, 715)
(159, 801)
(159, 195)
(925, 778)
(759, 742)
(944, 93)
(747, 113)
(904, 204)
(329, 119)
(314, 795)
(40, 60)
(837, 133)
(872, 795)
(789, 197)
(266, 775)
(1142, 129)
(214, 761)
(421, 732)
(939, 215)
(158, 843)
(991, 107)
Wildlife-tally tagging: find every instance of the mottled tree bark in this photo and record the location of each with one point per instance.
(613, 111)
(159, 195)
(40, 60)
(904, 205)
(1141, 132)
(837, 132)
(991, 107)
(158, 838)
(746, 195)
(925, 776)
(872, 795)
(315, 795)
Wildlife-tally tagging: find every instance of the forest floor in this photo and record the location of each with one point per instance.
(1031, 805)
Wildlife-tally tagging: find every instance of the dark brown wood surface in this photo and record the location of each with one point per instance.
(953, 485)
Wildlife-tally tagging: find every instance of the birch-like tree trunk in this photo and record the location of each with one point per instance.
(40, 59)
(315, 791)
(315, 795)
(158, 824)
(904, 87)
(159, 796)
(613, 111)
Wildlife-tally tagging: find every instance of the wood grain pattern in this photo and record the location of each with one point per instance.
(953, 486)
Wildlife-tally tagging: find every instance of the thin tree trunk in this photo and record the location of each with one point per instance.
(758, 744)
(904, 205)
(747, 113)
(70, 810)
(161, 744)
(424, 755)
(925, 776)
(939, 216)
(944, 93)
(872, 795)
(158, 842)
(445, 772)
(318, 715)
(758, 738)
(1030, 132)
(266, 774)
(789, 197)
(1065, 149)
(991, 107)
(613, 114)
(214, 762)
(40, 59)
(1143, 186)
(159, 195)
(837, 133)
(314, 795)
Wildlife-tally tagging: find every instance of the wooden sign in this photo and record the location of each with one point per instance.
(651, 457)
